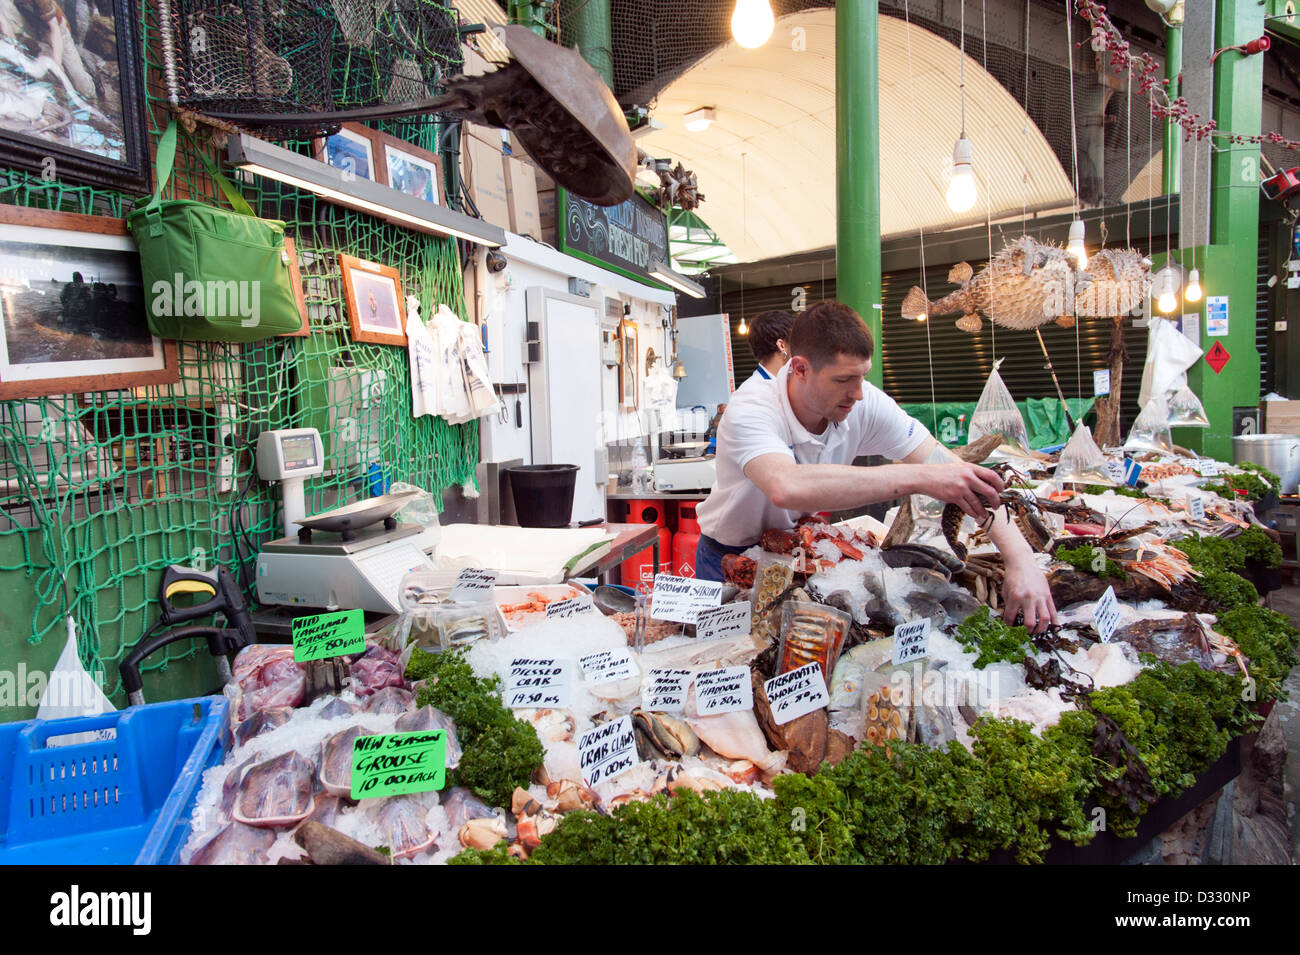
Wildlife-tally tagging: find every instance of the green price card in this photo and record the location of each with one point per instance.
(397, 763)
(328, 635)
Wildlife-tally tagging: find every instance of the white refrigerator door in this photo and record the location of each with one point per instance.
(564, 394)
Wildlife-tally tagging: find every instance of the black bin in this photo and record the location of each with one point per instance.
(543, 493)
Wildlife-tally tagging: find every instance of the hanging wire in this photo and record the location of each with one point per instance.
(988, 202)
(962, 68)
(911, 94)
(1074, 128)
(1128, 160)
(1024, 199)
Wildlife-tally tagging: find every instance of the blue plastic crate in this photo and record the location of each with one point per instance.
(112, 801)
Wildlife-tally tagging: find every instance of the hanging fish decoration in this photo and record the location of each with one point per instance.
(1030, 283)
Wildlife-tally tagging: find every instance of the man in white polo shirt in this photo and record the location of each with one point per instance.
(787, 450)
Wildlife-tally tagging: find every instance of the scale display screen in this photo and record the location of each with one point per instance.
(299, 452)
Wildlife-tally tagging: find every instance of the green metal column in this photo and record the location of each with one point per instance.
(1173, 148)
(1229, 261)
(857, 165)
(587, 26)
(529, 13)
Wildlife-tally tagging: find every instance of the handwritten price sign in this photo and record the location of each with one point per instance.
(718, 623)
(607, 750)
(665, 691)
(606, 666)
(680, 599)
(793, 694)
(328, 635)
(912, 641)
(538, 682)
(398, 763)
(474, 585)
(570, 607)
(723, 691)
(1106, 616)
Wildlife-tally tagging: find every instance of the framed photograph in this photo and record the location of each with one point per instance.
(627, 367)
(295, 279)
(73, 307)
(373, 294)
(351, 149)
(72, 92)
(409, 169)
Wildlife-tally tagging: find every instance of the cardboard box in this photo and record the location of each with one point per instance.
(521, 194)
(547, 208)
(1281, 417)
(485, 179)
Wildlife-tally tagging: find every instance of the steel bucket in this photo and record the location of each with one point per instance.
(1279, 453)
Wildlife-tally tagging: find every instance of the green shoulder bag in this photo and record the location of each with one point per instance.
(211, 274)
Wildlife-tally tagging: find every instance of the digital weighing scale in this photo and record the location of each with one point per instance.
(347, 558)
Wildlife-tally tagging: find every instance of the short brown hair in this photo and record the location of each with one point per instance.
(829, 329)
(766, 329)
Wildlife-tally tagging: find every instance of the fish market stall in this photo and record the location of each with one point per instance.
(849, 695)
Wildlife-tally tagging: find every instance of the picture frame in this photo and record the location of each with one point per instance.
(354, 149)
(409, 169)
(295, 280)
(61, 333)
(83, 120)
(627, 367)
(373, 295)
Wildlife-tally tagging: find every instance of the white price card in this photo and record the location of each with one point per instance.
(538, 682)
(1101, 382)
(723, 691)
(680, 599)
(606, 666)
(1209, 467)
(474, 585)
(912, 641)
(1216, 316)
(1106, 617)
(607, 750)
(718, 623)
(570, 607)
(1116, 471)
(665, 690)
(793, 694)
(1196, 507)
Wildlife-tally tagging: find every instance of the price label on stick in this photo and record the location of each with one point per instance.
(606, 666)
(1209, 467)
(538, 682)
(1106, 617)
(1116, 471)
(680, 599)
(793, 694)
(474, 585)
(728, 620)
(1196, 507)
(571, 607)
(723, 691)
(665, 691)
(397, 763)
(607, 750)
(912, 641)
(1101, 382)
(328, 635)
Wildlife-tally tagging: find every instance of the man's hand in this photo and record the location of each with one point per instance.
(1025, 591)
(969, 486)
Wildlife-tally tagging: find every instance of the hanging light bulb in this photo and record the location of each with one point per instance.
(742, 328)
(1075, 244)
(1167, 301)
(922, 317)
(752, 23)
(1193, 291)
(961, 187)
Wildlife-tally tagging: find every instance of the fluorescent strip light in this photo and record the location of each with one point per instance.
(675, 279)
(274, 162)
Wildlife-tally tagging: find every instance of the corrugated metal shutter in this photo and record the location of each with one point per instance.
(1263, 305)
